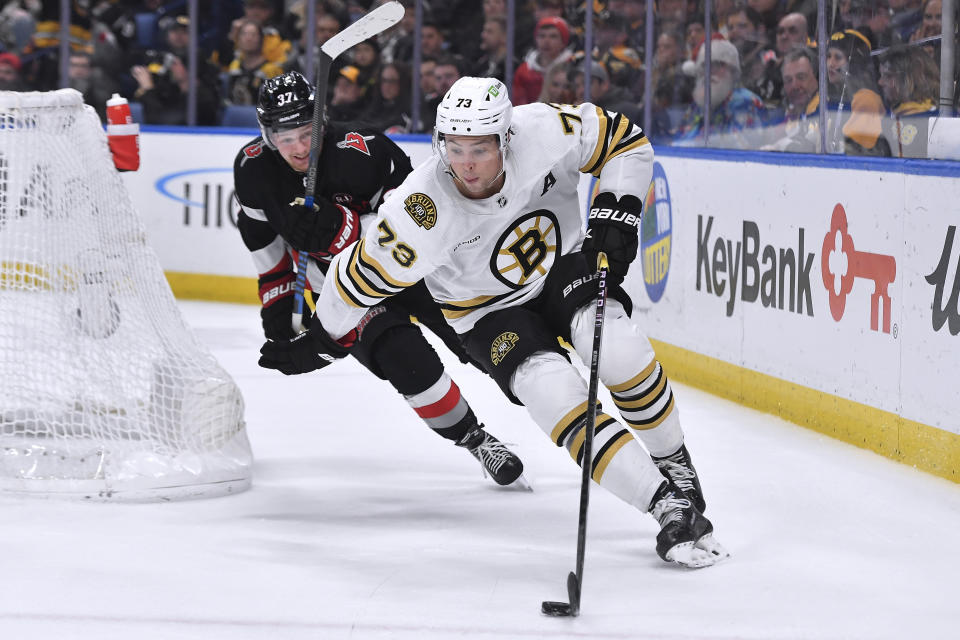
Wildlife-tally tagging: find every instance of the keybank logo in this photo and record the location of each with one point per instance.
(841, 264)
(206, 196)
(656, 234)
(745, 269)
(948, 313)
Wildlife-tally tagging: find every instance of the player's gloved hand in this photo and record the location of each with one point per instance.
(311, 350)
(327, 229)
(614, 227)
(276, 319)
(276, 296)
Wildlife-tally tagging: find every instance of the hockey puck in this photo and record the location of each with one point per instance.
(556, 609)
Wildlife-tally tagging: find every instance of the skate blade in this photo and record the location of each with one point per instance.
(710, 544)
(705, 552)
(520, 484)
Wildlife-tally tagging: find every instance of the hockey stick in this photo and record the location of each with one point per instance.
(380, 19)
(575, 579)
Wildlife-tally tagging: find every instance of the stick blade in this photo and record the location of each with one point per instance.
(555, 609)
(380, 19)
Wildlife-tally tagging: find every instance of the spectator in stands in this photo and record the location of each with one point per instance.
(770, 14)
(874, 14)
(432, 42)
(163, 86)
(695, 33)
(462, 23)
(448, 69)
(671, 14)
(347, 102)
(672, 89)
(855, 125)
(389, 109)
(176, 32)
(552, 36)
(930, 23)
(275, 47)
(736, 114)
(800, 127)
(365, 56)
(602, 93)
(493, 44)
(250, 68)
(96, 86)
(757, 60)
(327, 26)
(556, 84)
(791, 33)
(635, 14)
(17, 26)
(10, 73)
(622, 63)
(910, 82)
(427, 87)
(906, 17)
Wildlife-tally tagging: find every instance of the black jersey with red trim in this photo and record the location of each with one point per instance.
(357, 166)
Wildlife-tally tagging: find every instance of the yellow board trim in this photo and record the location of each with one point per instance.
(919, 445)
(198, 286)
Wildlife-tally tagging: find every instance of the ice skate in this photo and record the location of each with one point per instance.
(686, 536)
(497, 460)
(678, 468)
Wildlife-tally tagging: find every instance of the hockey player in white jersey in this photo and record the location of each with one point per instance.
(492, 224)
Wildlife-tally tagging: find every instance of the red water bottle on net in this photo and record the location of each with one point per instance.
(123, 134)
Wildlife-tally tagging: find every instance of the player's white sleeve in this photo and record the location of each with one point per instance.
(615, 150)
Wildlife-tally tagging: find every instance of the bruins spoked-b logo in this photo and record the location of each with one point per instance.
(502, 345)
(421, 209)
(526, 250)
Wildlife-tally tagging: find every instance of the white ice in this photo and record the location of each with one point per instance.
(363, 524)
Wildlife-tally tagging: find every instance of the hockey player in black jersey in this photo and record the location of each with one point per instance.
(357, 168)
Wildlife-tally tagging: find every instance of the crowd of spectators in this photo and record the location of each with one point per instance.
(882, 63)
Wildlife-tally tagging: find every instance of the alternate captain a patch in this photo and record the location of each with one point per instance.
(526, 250)
(502, 345)
(421, 209)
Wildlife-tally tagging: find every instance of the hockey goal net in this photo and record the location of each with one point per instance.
(105, 393)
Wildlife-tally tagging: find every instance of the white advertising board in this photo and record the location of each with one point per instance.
(821, 276)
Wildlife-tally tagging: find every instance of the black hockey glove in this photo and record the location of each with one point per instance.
(614, 227)
(276, 296)
(309, 351)
(326, 230)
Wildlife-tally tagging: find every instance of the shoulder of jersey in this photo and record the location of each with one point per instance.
(547, 129)
(253, 151)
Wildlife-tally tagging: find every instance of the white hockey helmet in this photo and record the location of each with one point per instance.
(474, 107)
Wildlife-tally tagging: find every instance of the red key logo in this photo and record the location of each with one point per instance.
(841, 264)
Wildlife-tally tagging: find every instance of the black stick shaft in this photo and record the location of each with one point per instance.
(590, 426)
(316, 133)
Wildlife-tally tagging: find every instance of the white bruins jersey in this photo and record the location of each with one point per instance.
(478, 256)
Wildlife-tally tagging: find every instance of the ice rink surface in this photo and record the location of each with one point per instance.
(363, 524)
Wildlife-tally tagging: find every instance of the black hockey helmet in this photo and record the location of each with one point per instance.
(285, 102)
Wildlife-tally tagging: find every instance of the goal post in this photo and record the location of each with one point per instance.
(105, 393)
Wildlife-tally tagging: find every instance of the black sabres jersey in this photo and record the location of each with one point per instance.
(356, 168)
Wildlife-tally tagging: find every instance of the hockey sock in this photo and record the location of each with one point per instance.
(556, 398)
(443, 409)
(643, 395)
